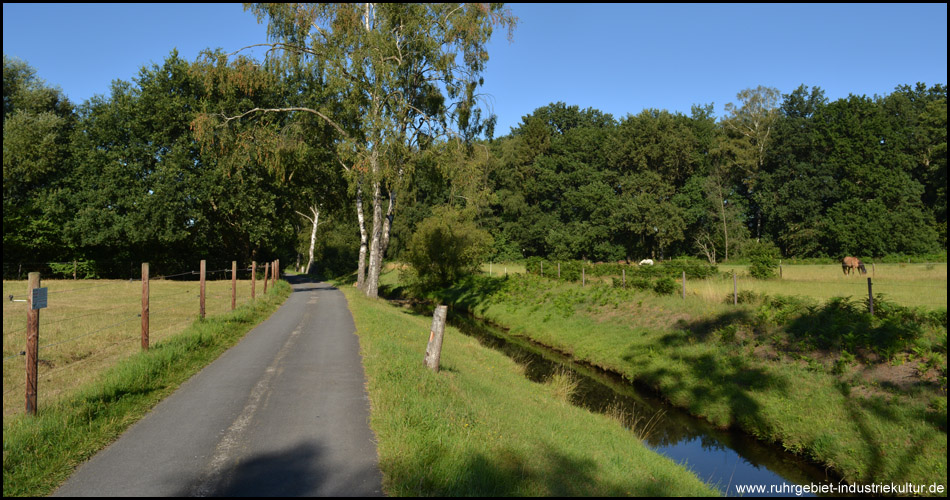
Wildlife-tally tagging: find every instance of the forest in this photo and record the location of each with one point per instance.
(226, 159)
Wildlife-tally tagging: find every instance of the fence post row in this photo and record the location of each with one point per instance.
(145, 306)
(32, 343)
(253, 277)
(266, 276)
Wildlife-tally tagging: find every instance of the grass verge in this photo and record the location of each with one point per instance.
(720, 363)
(479, 428)
(40, 452)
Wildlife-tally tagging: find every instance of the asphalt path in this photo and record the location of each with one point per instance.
(282, 413)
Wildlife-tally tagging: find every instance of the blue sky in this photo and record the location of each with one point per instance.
(618, 58)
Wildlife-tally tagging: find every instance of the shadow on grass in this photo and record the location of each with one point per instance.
(541, 471)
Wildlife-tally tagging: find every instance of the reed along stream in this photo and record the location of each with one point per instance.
(723, 459)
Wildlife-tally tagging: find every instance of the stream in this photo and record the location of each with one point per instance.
(721, 458)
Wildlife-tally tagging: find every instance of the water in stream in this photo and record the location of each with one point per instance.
(723, 459)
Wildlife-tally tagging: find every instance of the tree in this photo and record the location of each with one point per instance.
(750, 127)
(38, 122)
(392, 69)
(446, 247)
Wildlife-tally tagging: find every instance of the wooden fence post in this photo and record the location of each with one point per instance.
(32, 344)
(684, 285)
(266, 275)
(870, 299)
(75, 266)
(233, 284)
(558, 270)
(434, 347)
(583, 276)
(624, 277)
(542, 268)
(735, 290)
(253, 277)
(145, 306)
(201, 309)
(276, 272)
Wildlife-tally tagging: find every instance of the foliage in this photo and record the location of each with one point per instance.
(764, 259)
(665, 286)
(446, 247)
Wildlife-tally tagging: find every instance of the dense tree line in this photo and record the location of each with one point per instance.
(132, 176)
(861, 176)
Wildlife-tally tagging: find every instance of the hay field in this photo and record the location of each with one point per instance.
(91, 324)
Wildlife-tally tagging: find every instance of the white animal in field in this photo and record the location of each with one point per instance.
(646, 262)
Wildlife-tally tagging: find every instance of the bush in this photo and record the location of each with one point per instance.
(445, 247)
(763, 258)
(694, 268)
(665, 286)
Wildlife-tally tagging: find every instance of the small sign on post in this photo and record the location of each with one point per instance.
(39, 298)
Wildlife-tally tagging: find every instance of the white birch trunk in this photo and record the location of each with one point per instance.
(361, 267)
(313, 237)
(372, 278)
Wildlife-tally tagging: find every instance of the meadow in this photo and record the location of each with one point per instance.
(89, 325)
(907, 284)
(798, 362)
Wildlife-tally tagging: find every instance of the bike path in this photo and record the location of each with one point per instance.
(283, 413)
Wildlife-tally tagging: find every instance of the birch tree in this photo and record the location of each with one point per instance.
(402, 75)
(750, 126)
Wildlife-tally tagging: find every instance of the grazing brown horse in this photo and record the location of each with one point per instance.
(849, 263)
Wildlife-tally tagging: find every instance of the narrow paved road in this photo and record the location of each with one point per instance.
(283, 413)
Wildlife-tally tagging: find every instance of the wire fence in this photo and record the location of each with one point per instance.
(913, 284)
(89, 325)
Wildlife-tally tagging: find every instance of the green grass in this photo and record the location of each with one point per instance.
(713, 359)
(90, 325)
(40, 452)
(480, 428)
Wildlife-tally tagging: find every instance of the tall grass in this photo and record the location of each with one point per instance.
(480, 428)
(39, 452)
(725, 363)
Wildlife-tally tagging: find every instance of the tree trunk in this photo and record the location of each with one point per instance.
(313, 236)
(375, 245)
(387, 229)
(361, 268)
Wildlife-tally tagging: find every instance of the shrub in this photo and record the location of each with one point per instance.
(665, 286)
(445, 247)
(694, 268)
(763, 258)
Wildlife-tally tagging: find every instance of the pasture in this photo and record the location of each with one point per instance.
(90, 325)
(911, 285)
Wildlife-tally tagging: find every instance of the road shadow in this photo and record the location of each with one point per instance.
(300, 471)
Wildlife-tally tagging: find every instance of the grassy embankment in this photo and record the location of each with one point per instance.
(478, 427)
(763, 366)
(40, 452)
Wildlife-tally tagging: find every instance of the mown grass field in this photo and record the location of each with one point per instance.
(89, 325)
(480, 428)
(40, 452)
(872, 416)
